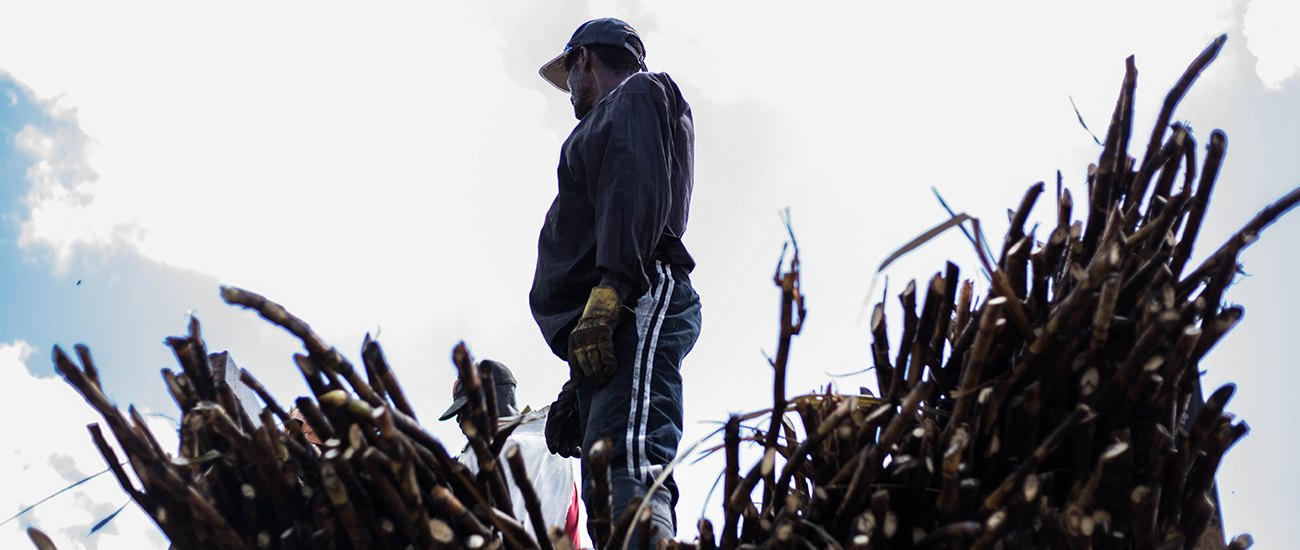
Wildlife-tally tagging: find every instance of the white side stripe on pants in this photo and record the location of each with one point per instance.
(666, 275)
(650, 310)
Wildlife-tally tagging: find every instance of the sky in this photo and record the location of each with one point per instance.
(386, 169)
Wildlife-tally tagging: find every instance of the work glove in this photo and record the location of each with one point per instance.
(563, 427)
(591, 344)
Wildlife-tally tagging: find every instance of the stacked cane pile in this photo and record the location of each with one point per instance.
(1064, 411)
(378, 481)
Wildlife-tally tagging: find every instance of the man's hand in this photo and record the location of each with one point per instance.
(591, 344)
(563, 427)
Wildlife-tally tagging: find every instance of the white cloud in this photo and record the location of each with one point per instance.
(1270, 34)
(63, 213)
(47, 449)
(253, 158)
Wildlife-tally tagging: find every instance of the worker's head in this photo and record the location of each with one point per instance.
(503, 383)
(298, 422)
(600, 52)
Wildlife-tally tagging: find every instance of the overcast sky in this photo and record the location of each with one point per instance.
(386, 170)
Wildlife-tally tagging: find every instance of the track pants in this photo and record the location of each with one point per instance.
(640, 410)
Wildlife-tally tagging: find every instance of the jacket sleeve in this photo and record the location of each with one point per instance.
(630, 191)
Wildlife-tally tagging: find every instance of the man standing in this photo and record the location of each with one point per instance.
(612, 293)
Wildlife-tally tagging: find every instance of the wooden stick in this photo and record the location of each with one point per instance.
(970, 376)
(921, 344)
(374, 359)
(1030, 465)
(731, 481)
(880, 350)
(338, 496)
(531, 502)
(1240, 240)
(1109, 166)
(907, 298)
(796, 459)
(1176, 94)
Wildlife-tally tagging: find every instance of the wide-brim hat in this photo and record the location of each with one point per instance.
(606, 31)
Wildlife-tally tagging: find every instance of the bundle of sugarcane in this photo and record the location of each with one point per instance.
(378, 481)
(1064, 411)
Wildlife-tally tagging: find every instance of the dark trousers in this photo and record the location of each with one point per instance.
(640, 410)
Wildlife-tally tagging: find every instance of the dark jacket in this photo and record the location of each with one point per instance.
(625, 179)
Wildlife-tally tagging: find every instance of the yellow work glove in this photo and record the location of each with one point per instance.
(591, 344)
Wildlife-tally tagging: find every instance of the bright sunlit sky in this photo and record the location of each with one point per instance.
(386, 168)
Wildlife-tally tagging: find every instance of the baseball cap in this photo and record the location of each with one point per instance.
(502, 380)
(607, 31)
